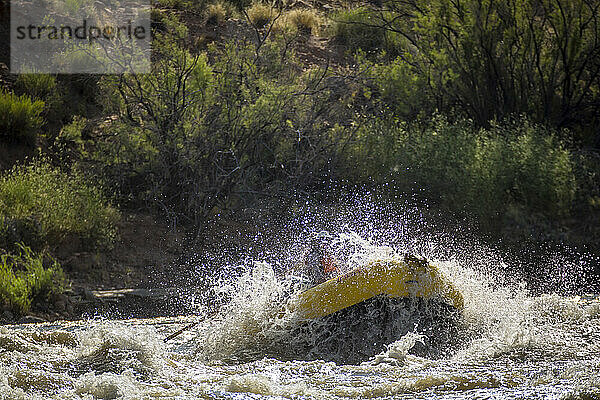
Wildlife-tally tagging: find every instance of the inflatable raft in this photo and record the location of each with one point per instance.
(411, 277)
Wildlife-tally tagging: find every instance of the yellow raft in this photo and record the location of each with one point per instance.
(409, 278)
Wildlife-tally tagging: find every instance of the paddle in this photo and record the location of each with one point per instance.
(179, 332)
(190, 326)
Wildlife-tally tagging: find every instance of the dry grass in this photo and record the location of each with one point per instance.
(304, 20)
(215, 14)
(260, 14)
(218, 13)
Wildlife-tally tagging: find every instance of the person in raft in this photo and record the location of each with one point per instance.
(318, 264)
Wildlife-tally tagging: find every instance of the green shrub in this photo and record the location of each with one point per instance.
(46, 87)
(69, 143)
(480, 171)
(359, 29)
(39, 86)
(397, 86)
(13, 288)
(245, 120)
(540, 165)
(42, 282)
(25, 281)
(491, 60)
(20, 118)
(65, 206)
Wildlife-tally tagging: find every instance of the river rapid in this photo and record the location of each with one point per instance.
(505, 344)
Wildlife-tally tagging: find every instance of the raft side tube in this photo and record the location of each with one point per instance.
(382, 277)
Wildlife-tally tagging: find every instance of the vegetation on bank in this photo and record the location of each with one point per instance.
(41, 205)
(481, 107)
(485, 171)
(28, 279)
(20, 118)
(255, 118)
(489, 60)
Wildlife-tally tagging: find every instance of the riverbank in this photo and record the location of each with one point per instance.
(142, 257)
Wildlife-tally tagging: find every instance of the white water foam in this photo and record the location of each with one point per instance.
(499, 320)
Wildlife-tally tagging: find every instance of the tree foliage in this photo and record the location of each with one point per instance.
(491, 59)
(202, 133)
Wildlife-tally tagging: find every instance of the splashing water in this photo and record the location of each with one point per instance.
(497, 320)
(506, 343)
(256, 321)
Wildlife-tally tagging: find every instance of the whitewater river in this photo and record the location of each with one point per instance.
(505, 344)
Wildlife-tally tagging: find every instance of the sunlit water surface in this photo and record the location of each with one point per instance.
(506, 344)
